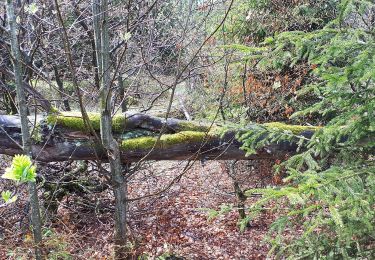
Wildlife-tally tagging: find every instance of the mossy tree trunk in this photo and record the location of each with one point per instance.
(27, 148)
(109, 143)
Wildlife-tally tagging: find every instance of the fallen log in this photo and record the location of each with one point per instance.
(62, 137)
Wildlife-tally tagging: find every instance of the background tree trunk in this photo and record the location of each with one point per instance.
(122, 94)
(110, 144)
(60, 85)
(27, 149)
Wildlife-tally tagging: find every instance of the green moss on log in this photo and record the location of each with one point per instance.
(138, 143)
(118, 123)
(36, 134)
(295, 129)
(165, 140)
(190, 126)
(182, 137)
(74, 121)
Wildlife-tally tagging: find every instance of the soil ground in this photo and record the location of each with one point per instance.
(173, 223)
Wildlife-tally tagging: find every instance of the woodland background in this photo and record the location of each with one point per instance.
(228, 63)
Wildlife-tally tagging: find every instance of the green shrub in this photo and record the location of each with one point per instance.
(330, 189)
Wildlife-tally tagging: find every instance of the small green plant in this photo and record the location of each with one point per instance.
(8, 197)
(22, 170)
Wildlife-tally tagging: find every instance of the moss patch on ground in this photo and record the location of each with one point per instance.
(295, 129)
(165, 141)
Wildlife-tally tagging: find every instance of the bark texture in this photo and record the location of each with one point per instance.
(26, 147)
(110, 145)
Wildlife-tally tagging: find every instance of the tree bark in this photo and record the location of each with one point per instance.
(26, 140)
(109, 143)
(240, 195)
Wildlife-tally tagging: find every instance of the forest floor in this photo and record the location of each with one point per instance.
(174, 223)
